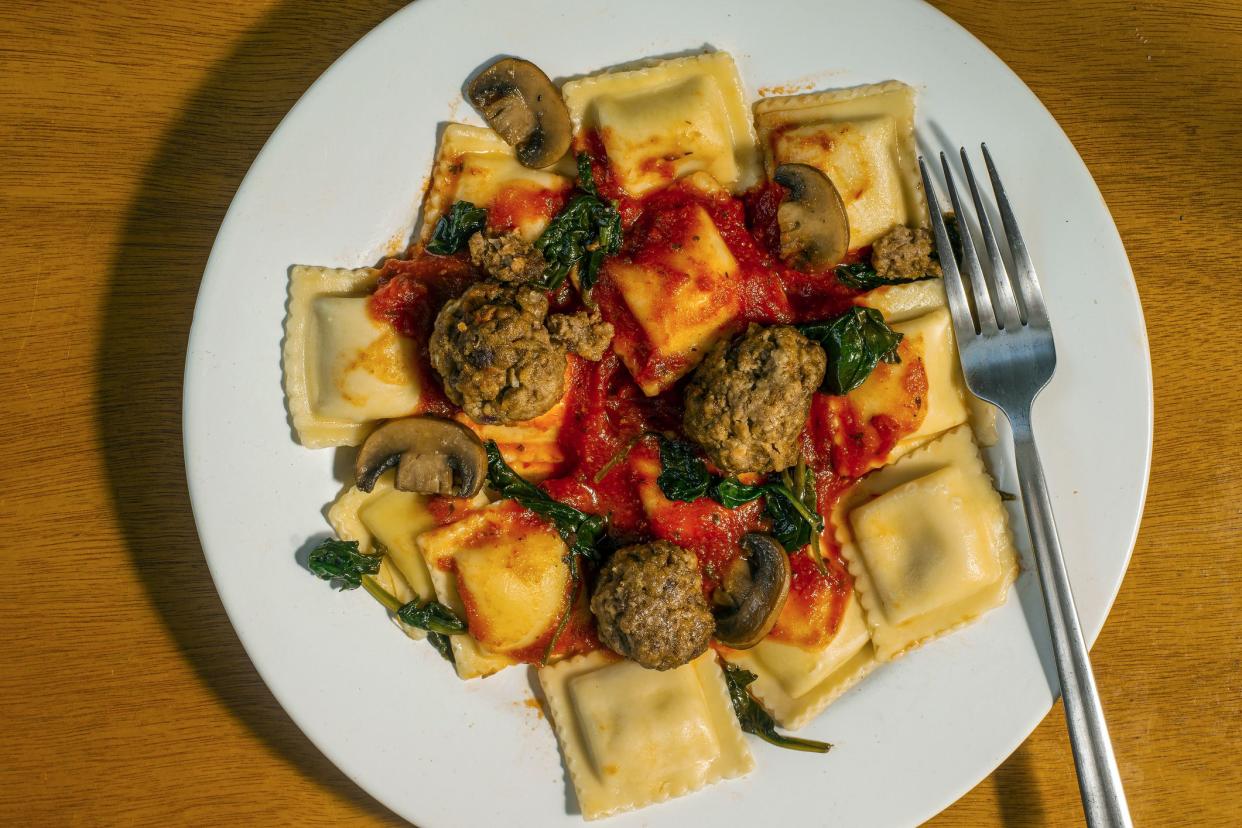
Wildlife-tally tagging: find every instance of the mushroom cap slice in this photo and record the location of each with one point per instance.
(815, 230)
(432, 456)
(756, 591)
(525, 108)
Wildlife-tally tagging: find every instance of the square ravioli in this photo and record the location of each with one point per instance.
(532, 448)
(906, 301)
(795, 683)
(931, 335)
(861, 138)
(910, 300)
(682, 295)
(668, 119)
(502, 569)
(391, 519)
(343, 368)
(632, 737)
(899, 406)
(475, 164)
(928, 543)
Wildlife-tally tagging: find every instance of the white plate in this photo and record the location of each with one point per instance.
(341, 179)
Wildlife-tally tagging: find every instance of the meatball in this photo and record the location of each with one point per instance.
(494, 354)
(905, 251)
(586, 334)
(748, 401)
(507, 257)
(650, 606)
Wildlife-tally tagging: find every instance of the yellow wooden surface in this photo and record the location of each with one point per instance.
(125, 697)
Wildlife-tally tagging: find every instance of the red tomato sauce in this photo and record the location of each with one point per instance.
(522, 204)
(408, 295)
(446, 510)
(577, 637)
(607, 416)
(605, 435)
(629, 337)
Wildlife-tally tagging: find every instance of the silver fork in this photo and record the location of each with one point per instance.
(1007, 358)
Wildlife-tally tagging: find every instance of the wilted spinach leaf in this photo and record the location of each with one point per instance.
(443, 646)
(452, 231)
(754, 719)
(732, 493)
(586, 178)
(788, 524)
(854, 342)
(954, 231)
(581, 531)
(582, 234)
(431, 616)
(795, 521)
(862, 276)
(684, 475)
(338, 560)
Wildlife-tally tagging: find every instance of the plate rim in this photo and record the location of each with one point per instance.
(952, 793)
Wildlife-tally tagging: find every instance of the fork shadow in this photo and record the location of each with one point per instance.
(167, 235)
(1021, 804)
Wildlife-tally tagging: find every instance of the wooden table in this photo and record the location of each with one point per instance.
(125, 697)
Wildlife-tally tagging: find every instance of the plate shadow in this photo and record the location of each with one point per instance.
(167, 235)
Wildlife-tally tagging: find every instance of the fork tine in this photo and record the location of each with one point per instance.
(970, 257)
(1027, 281)
(1007, 309)
(959, 307)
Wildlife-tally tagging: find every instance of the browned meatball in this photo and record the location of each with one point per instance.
(905, 251)
(586, 334)
(650, 606)
(748, 401)
(507, 257)
(494, 354)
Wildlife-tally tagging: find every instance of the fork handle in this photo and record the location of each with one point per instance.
(1103, 799)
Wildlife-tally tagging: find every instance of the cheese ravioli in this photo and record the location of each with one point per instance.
(910, 300)
(389, 519)
(475, 164)
(795, 683)
(928, 543)
(668, 119)
(343, 368)
(502, 569)
(861, 138)
(632, 737)
(682, 292)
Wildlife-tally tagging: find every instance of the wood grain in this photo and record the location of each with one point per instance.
(125, 128)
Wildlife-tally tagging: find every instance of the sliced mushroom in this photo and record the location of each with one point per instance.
(518, 100)
(432, 456)
(815, 230)
(754, 592)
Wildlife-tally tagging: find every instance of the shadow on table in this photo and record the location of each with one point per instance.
(1021, 805)
(167, 236)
